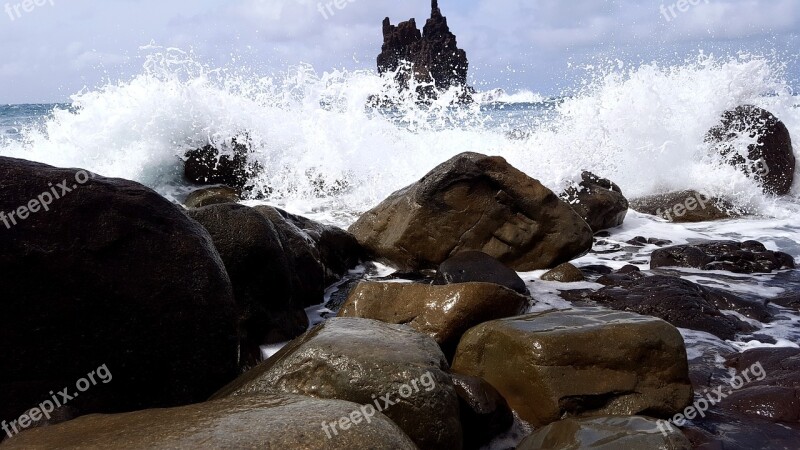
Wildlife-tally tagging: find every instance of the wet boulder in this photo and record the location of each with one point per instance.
(599, 201)
(685, 207)
(268, 420)
(769, 160)
(230, 165)
(474, 202)
(473, 266)
(214, 195)
(606, 433)
(565, 273)
(737, 257)
(400, 371)
(549, 365)
(107, 272)
(443, 312)
(484, 412)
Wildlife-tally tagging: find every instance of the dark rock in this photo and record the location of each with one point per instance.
(679, 302)
(433, 55)
(595, 269)
(484, 412)
(254, 257)
(685, 207)
(444, 313)
(474, 202)
(737, 257)
(268, 421)
(565, 273)
(112, 273)
(318, 255)
(770, 161)
(606, 432)
(214, 195)
(232, 167)
(641, 241)
(358, 360)
(789, 300)
(478, 267)
(599, 201)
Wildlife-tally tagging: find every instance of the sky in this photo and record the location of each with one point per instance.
(54, 48)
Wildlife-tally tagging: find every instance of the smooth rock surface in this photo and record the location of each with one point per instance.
(473, 266)
(599, 201)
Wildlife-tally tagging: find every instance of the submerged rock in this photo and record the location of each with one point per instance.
(551, 365)
(606, 433)
(443, 312)
(599, 201)
(737, 257)
(685, 207)
(433, 55)
(770, 161)
(267, 420)
(367, 362)
(474, 202)
(108, 273)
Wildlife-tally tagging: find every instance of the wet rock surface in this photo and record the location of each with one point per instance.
(214, 195)
(360, 360)
(738, 257)
(684, 207)
(474, 202)
(229, 166)
(598, 201)
(484, 412)
(565, 273)
(472, 266)
(548, 366)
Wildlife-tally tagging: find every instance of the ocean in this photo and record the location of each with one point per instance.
(329, 157)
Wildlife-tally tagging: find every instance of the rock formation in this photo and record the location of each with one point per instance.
(433, 55)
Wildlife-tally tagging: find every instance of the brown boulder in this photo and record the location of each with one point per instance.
(214, 195)
(474, 202)
(267, 421)
(478, 267)
(685, 207)
(364, 361)
(444, 313)
(484, 412)
(581, 362)
(565, 273)
(599, 201)
(605, 433)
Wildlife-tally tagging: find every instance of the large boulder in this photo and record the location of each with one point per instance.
(685, 207)
(269, 421)
(738, 257)
(431, 57)
(679, 302)
(549, 365)
(319, 255)
(474, 202)
(444, 313)
(606, 433)
(599, 201)
(770, 160)
(472, 266)
(401, 371)
(255, 260)
(98, 271)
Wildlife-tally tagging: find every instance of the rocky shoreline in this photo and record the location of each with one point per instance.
(453, 350)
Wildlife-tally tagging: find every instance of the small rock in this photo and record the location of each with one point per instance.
(737, 257)
(565, 273)
(214, 195)
(478, 267)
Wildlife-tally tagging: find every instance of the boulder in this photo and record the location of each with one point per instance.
(549, 365)
(474, 202)
(606, 433)
(679, 302)
(401, 371)
(770, 160)
(318, 255)
(599, 201)
(267, 421)
(255, 260)
(214, 195)
(685, 207)
(565, 273)
(484, 412)
(472, 266)
(229, 165)
(737, 257)
(107, 273)
(432, 56)
(444, 313)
